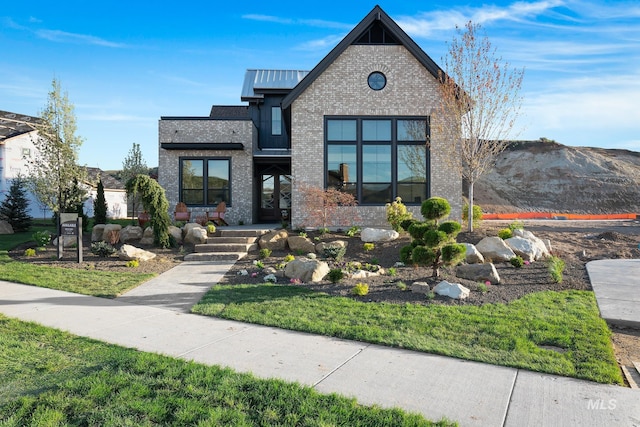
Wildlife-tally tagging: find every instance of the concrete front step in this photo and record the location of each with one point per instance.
(215, 256)
(239, 233)
(238, 240)
(225, 247)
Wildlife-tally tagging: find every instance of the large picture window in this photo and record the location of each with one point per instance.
(195, 190)
(378, 158)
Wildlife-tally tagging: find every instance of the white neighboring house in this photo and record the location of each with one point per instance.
(17, 133)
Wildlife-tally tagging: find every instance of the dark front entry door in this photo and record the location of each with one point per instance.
(275, 198)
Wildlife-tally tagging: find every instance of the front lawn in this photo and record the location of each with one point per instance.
(53, 378)
(554, 332)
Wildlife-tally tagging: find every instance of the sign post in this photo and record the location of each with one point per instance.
(70, 225)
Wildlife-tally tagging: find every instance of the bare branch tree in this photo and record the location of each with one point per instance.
(482, 92)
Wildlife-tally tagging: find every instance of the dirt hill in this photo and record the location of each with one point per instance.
(537, 176)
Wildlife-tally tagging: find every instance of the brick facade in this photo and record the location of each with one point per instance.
(206, 130)
(343, 90)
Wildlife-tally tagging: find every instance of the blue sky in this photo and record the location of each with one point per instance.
(125, 64)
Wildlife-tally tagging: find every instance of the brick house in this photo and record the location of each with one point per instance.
(359, 121)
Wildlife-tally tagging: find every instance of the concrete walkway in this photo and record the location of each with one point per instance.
(616, 284)
(153, 318)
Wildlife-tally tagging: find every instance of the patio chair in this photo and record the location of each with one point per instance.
(217, 216)
(182, 213)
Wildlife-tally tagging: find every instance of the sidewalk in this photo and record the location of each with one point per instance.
(153, 318)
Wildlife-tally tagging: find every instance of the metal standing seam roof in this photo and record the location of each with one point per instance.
(258, 81)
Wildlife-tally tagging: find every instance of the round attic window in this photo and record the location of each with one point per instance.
(377, 80)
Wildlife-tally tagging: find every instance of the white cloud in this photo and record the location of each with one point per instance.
(66, 37)
(322, 44)
(319, 23)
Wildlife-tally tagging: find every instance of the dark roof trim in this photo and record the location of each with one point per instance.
(202, 146)
(204, 118)
(376, 14)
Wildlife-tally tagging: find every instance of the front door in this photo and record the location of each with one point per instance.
(275, 198)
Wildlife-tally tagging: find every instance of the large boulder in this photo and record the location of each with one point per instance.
(147, 237)
(111, 233)
(5, 227)
(478, 272)
(522, 247)
(96, 232)
(451, 290)
(129, 252)
(320, 247)
(130, 233)
(495, 249)
(473, 255)
(421, 288)
(307, 270)
(275, 240)
(301, 244)
(378, 235)
(542, 249)
(196, 235)
(190, 226)
(176, 233)
(67, 241)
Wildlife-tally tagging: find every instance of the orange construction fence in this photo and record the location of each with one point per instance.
(549, 215)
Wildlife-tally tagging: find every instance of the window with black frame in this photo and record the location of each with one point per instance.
(378, 158)
(195, 190)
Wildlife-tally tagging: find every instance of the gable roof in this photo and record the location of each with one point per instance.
(258, 82)
(12, 125)
(394, 30)
(108, 181)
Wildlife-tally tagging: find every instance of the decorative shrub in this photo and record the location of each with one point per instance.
(102, 249)
(323, 230)
(392, 271)
(259, 264)
(134, 263)
(335, 275)
(30, 252)
(155, 202)
(353, 231)
(368, 247)
(516, 225)
(289, 258)
(401, 286)
(505, 233)
(360, 289)
(211, 228)
(434, 245)
(517, 261)
(405, 224)
(482, 288)
(335, 252)
(556, 268)
(42, 238)
(271, 278)
(477, 214)
(265, 253)
(397, 213)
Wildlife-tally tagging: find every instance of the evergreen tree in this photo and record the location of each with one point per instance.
(15, 207)
(100, 205)
(134, 164)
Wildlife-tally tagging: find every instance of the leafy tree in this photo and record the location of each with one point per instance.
(100, 205)
(330, 207)
(15, 207)
(155, 202)
(54, 171)
(133, 165)
(480, 105)
(433, 243)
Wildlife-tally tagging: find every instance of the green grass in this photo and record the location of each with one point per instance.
(88, 282)
(54, 378)
(502, 334)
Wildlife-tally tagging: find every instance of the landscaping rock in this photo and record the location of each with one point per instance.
(478, 272)
(473, 255)
(363, 274)
(451, 290)
(196, 235)
(5, 227)
(378, 235)
(67, 241)
(542, 249)
(190, 226)
(147, 237)
(275, 240)
(420, 288)
(522, 247)
(110, 232)
(176, 233)
(495, 249)
(129, 233)
(302, 244)
(320, 247)
(129, 252)
(97, 232)
(307, 270)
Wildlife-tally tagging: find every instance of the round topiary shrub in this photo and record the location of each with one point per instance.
(453, 253)
(405, 254)
(451, 228)
(422, 255)
(435, 208)
(505, 233)
(434, 238)
(407, 223)
(417, 230)
(517, 261)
